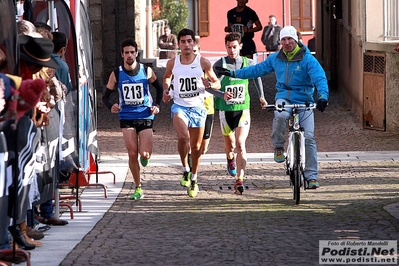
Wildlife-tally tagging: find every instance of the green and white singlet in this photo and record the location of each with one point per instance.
(239, 88)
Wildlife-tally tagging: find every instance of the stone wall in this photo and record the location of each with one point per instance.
(392, 91)
(113, 21)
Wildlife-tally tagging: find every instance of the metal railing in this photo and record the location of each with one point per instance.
(157, 30)
(213, 56)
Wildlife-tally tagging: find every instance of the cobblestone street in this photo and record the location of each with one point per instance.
(261, 227)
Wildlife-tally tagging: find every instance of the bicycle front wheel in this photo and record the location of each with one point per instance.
(297, 169)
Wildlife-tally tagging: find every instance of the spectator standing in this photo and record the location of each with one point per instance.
(46, 208)
(25, 27)
(299, 34)
(312, 42)
(5, 237)
(60, 45)
(271, 35)
(167, 41)
(244, 20)
(35, 53)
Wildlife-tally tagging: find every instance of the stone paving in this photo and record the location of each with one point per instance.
(261, 227)
(337, 129)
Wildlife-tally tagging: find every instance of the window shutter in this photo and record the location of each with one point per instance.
(203, 15)
(296, 14)
(307, 16)
(301, 14)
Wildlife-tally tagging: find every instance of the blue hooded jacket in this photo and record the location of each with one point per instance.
(296, 79)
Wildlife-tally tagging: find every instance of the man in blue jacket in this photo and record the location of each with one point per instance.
(298, 73)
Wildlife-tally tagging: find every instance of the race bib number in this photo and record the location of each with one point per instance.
(188, 87)
(133, 93)
(239, 28)
(238, 93)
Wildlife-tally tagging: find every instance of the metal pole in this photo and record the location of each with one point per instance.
(148, 9)
(50, 10)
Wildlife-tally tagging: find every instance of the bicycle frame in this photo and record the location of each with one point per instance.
(295, 129)
(295, 159)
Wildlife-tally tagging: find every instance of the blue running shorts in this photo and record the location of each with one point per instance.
(195, 116)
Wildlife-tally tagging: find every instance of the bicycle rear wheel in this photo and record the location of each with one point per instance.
(297, 171)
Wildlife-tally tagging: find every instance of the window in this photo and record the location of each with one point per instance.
(203, 18)
(198, 18)
(391, 16)
(301, 15)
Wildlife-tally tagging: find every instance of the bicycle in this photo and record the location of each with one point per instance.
(295, 157)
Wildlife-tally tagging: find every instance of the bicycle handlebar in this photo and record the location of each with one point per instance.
(283, 106)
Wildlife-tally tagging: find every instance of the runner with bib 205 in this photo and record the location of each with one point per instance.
(188, 110)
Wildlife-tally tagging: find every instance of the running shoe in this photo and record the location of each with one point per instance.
(193, 189)
(279, 155)
(186, 179)
(231, 166)
(239, 187)
(144, 162)
(313, 184)
(138, 194)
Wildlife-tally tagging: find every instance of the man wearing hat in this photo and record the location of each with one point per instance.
(23, 95)
(298, 73)
(35, 53)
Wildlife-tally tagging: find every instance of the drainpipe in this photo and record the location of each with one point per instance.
(148, 9)
(117, 35)
(364, 37)
(385, 18)
(284, 15)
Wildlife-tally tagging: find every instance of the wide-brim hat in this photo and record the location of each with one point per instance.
(37, 51)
